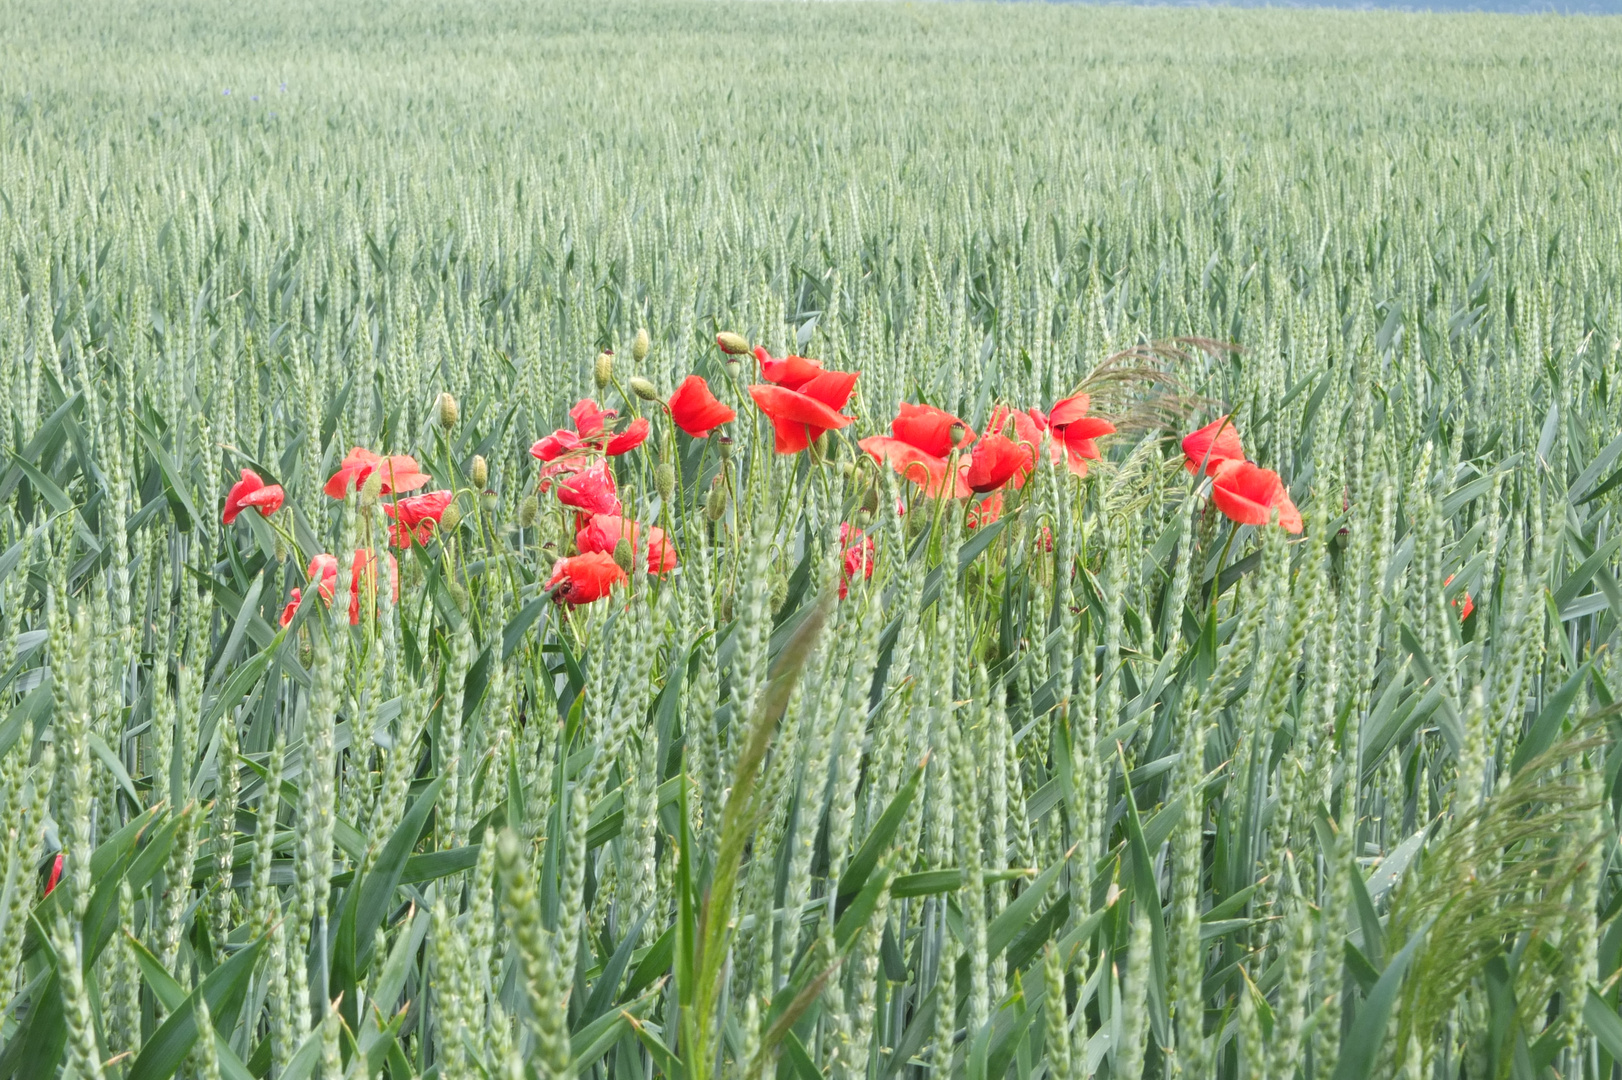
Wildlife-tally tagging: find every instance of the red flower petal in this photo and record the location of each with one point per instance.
(555, 445)
(796, 418)
(591, 490)
(994, 462)
(1213, 444)
(929, 429)
(634, 435)
(588, 418)
(792, 372)
(582, 579)
(696, 410)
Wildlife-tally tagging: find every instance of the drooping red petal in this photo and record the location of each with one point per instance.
(555, 445)
(925, 470)
(400, 473)
(792, 372)
(323, 570)
(589, 418)
(1249, 494)
(591, 490)
(696, 410)
(292, 606)
(235, 498)
(582, 579)
(994, 461)
(1069, 410)
(796, 418)
(634, 435)
(419, 508)
(267, 500)
(929, 429)
(1211, 445)
(832, 388)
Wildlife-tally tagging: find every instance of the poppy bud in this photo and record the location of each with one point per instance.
(481, 471)
(622, 555)
(372, 489)
(448, 412)
(528, 511)
(640, 347)
(604, 371)
(870, 501)
(644, 389)
(664, 480)
(489, 501)
(450, 519)
(732, 344)
(458, 593)
(715, 507)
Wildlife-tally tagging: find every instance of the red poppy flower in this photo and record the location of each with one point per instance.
(695, 410)
(603, 532)
(364, 572)
(1249, 494)
(323, 569)
(858, 556)
(588, 419)
(590, 490)
(555, 445)
(994, 461)
(1462, 602)
(790, 371)
(920, 440)
(584, 578)
(1027, 428)
(1210, 446)
(254, 492)
(1074, 433)
(417, 516)
(634, 435)
(400, 473)
(292, 605)
(984, 511)
(56, 874)
(800, 416)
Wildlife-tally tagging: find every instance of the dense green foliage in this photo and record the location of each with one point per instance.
(1110, 787)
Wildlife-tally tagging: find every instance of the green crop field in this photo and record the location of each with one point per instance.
(1008, 542)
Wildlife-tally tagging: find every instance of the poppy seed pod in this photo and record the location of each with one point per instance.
(623, 557)
(603, 373)
(725, 442)
(528, 511)
(489, 501)
(664, 480)
(448, 411)
(644, 389)
(480, 471)
(450, 519)
(640, 347)
(732, 344)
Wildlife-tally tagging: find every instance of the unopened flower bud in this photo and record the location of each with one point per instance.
(870, 501)
(372, 489)
(644, 389)
(450, 519)
(715, 507)
(732, 344)
(448, 411)
(664, 480)
(622, 554)
(604, 371)
(640, 347)
(489, 501)
(528, 511)
(458, 593)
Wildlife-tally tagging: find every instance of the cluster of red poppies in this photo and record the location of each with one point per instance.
(1244, 491)
(575, 466)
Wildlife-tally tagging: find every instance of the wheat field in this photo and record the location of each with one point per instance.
(1001, 542)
